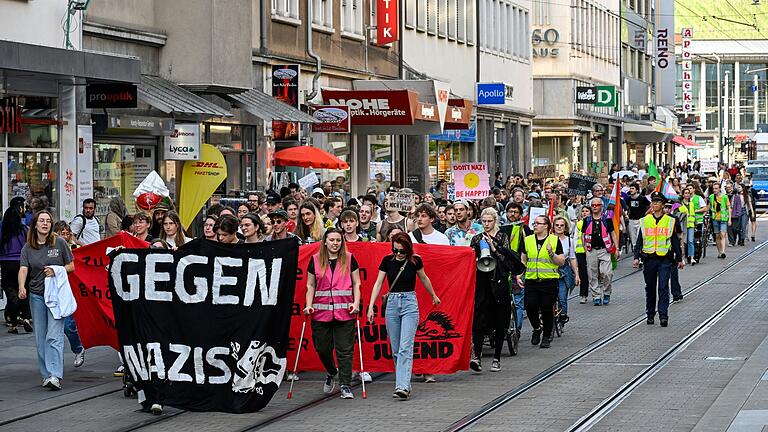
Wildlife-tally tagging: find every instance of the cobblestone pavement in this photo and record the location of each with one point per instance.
(675, 399)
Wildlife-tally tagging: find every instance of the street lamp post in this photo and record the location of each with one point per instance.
(727, 117)
(719, 112)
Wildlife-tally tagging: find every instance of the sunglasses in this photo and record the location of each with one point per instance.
(597, 205)
(559, 226)
(398, 251)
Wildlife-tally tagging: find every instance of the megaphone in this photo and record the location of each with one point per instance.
(486, 263)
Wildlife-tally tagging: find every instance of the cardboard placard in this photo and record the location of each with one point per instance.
(471, 180)
(308, 180)
(401, 201)
(580, 184)
(545, 171)
(708, 166)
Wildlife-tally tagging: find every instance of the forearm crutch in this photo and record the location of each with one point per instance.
(298, 351)
(360, 347)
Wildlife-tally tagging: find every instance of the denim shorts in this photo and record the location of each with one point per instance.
(719, 226)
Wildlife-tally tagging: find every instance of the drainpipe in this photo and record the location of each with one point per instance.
(311, 53)
(262, 27)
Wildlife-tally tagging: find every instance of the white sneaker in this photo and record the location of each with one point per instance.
(583, 300)
(292, 377)
(53, 383)
(366, 377)
(45, 382)
(156, 409)
(79, 359)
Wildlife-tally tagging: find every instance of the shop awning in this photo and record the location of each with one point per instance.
(169, 98)
(685, 142)
(308, 157)
(646, 133)
(268, 108)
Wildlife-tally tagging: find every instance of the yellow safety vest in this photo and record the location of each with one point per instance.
(579, 238)
(540, 264)
(723, 215)
(514, 240)
(691, 211)
(657, 237)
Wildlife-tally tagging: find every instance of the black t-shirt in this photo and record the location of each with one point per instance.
(597, 238)
(407, 280)
(637, 206)
(332, 264)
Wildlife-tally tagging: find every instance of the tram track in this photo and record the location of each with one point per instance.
(474, 417)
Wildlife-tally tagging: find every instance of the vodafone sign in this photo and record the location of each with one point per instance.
(386, 22)
(376, 107)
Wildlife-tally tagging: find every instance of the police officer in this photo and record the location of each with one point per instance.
(659, 243)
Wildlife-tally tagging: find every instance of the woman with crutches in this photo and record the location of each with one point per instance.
(333, 300)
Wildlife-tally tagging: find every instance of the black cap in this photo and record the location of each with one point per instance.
(273, 198)
(658, 196)
(278, 213)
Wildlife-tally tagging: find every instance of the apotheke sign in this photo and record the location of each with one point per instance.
(183, 143)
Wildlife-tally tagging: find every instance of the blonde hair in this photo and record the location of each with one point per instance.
(490, 211)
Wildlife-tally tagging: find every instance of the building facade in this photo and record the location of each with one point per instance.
(576, 45)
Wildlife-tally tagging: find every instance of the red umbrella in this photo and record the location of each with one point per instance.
(305, 156)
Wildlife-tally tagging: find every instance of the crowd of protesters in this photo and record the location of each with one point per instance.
(544, 240)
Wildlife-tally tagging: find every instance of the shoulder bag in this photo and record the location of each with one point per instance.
(385, 297)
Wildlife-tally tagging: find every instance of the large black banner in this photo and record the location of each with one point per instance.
(205, 328)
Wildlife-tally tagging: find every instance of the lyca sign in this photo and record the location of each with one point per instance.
(602, 96)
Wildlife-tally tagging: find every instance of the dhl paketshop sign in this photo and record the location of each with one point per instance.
(199, 180)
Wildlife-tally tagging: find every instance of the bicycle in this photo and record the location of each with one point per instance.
(559, 325)
(705, 230)
(513, 333)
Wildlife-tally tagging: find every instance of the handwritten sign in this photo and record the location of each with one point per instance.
(472, 180)
(545, 171)
(308, 180)
(580, 184)
(708, 166)
(401, 201)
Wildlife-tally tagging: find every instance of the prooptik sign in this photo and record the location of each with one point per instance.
(183, 143)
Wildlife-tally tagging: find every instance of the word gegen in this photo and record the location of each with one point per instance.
(254, 270)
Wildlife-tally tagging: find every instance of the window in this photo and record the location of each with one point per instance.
(352, 17)
(452, 11)
(410, 12)
(526, 36)
(471, 29)
(431, 16)
(442, 18)
(323, 13)
(461, 20)
(285, 9)
(421, 15)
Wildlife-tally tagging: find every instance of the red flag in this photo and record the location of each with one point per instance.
(551, 213)
(94, 316)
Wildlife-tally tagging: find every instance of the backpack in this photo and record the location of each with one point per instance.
(418, 236)
(85, 221)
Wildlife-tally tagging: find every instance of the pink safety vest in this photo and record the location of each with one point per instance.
(333, 293)
(604, 234)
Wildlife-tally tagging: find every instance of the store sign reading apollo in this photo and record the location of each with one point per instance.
(544, 42)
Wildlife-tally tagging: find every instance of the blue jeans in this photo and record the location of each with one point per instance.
(744, 222)
(49, 337)
(657, 273)
(519, 300)
(402, 320)
(690, 241)
(562, 295)
(70, 330)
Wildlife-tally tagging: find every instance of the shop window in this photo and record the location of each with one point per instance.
(35, 136)
(236, 142)
(34, 175)
(441, 155)
(118, 170)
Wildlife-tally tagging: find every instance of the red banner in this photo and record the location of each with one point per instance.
(386, 22)
(443, 336)
(94, 316)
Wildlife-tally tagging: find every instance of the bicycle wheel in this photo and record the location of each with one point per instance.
(704, 241)
(513, 333)
(558, 325)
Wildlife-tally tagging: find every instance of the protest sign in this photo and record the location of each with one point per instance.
(471, 180)
(400, 201)
(205, 327)
(708, 166)
(533, 213)
(443, 336)
(94, 316)
(579, 184)
(545, 171)
(308, 180)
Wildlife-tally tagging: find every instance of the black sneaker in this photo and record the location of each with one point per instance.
(476, 365)
(536, 337)
(649, 321)
(563, 318)
(677, 298)
(546, 342)
(402, 394)
(664, 322)
(27, 325)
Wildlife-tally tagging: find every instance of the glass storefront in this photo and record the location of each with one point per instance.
(117, 171)
(441, 155)
(31, 158)
(236, 142)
